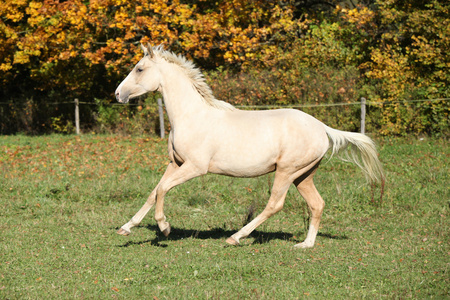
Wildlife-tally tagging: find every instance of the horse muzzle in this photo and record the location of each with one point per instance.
(122, 98)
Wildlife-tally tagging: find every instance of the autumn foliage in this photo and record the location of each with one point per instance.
(254, 52)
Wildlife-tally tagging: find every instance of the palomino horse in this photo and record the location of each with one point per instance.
(209, 135)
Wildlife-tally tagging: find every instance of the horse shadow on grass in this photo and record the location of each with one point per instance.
(260, 237)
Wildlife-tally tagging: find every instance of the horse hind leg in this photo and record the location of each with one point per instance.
(279, 190)
(307, 189)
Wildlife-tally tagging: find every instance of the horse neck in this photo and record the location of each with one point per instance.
(183, 102)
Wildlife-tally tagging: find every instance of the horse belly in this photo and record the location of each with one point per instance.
(244, 161)
(256, 143)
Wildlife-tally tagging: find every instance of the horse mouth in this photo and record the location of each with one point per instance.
(126, 98)
(123, 99)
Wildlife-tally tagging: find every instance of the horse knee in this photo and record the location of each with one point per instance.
(278, 206)
(312, 197)
(318, 204)
(273, 208)
(316, 207)
(152, 198)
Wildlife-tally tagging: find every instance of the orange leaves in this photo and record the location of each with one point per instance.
(13, 10)
(106, 32)
(121, 19)
(69, 45)
(91, 157)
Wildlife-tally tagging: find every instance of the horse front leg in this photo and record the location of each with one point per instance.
(137, 218)
(182, 174)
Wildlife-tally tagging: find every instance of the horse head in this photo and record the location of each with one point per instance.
(142, 79)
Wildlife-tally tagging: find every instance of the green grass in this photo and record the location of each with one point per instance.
(63, 197)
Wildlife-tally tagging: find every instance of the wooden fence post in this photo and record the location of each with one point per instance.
(161, 119)
(363, 115)
(77, 115)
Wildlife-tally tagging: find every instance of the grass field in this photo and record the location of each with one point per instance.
(62, 198)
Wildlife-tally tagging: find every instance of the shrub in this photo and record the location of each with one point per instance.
(138, 118)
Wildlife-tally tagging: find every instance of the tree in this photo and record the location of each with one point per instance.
(55, 50)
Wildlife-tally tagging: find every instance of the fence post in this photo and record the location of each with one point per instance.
(161, 119)
(77, 115)
(363, 115)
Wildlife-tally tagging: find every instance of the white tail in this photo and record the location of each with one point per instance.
(362, 152)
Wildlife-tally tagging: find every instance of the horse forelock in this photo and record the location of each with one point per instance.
(195, 75)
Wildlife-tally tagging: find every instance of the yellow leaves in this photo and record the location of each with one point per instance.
(237, 29)
(20, 57)
(184, 13)
(424, 50)
(35, 17)
(97, 6)
(14, 16)
(69, 53)
(5, 67)
(13, 11)
(122, 19)
(75, 17)
(93, 57)
(360, 16)
(119, 2)
(35, 5)
(392, 68)
(23, 56)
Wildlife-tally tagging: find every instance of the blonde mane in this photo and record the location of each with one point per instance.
(196, 76)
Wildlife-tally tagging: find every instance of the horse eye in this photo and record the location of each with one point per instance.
(139, 70)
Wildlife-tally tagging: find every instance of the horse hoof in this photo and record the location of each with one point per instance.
(123, 232)
(166, 231)
(303, 245)
(232, 241)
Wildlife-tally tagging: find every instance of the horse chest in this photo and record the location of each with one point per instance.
(184, 147)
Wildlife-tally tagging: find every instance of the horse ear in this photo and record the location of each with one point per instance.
(148, 50)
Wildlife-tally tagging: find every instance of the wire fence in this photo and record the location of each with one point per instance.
(260, 106)
(363, 103)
